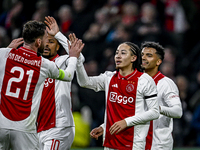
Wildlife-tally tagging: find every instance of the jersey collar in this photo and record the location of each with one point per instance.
(28, 50)
(53, 59)
(156, 75)
(128, 76)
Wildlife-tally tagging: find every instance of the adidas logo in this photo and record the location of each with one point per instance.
(115, 85)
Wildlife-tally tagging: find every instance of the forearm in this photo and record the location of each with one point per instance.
(63, 41)
(151, 114)
(102, 125)
(82, 77)
(173, 112)
(68, 73)
(142, 117)
(95, 83)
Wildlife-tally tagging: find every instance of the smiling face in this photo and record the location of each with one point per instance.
(51, 47)
(124, 57)
(150, 60)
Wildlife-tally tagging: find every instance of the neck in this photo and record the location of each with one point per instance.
(31, 47)
(125, 72)
(151, 72)
(52, 57)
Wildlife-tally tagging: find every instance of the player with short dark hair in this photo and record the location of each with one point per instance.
(160, 131)
(55, 123)
(22, 76)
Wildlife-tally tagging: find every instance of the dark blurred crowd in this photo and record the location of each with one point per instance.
(103, 25)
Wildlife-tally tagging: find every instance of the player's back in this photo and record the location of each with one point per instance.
(21, 82)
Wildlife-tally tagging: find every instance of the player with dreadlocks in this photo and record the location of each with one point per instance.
(131, 100)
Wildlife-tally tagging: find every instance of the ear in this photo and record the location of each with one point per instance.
(159, 61)
(57, 47)
(133, 58)
(38, 42)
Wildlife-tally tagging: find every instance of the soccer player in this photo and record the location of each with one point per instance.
(160, 132)
(131, 99)
(22, 77)
(55, 124)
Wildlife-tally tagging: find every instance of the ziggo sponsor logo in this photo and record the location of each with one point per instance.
(119, 98)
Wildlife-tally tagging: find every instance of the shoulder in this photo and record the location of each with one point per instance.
(5, 49)
(146, 78)
(46, 63)
(166, 81)
(167, 84)
(63, 57)
(5, 52)
(109, 73)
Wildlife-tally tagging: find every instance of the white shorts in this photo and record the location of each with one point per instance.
(18, 140)
(56, 138)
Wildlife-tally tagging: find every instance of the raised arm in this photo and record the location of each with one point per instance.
(74, 52)
(53, 30)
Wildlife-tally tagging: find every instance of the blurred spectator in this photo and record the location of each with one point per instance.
(65, 18)
(7, 5)
(94, 44)
(119, 34)
(147, 27)
(129, 13)
(191, 63)
(83, 16)
(174, 58)
(13, 20)
(170, 54)
(195, 87)
(93, 100)
(107, 61)
(4, 40)
(93, 33)
(196, 125)
(114, 7)
(15, 11)
(102, 17)
(42, 10)
(175, 22)
(182, 126)
(168, 69)
(183, 86)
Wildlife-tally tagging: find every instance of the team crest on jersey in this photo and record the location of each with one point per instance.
(129, 88)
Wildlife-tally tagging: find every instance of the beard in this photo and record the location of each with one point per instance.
(47, 56)
(41, 49)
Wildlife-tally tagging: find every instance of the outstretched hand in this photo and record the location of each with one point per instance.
(15, 43)
(75, 48)
(52, 28)
(118, 126)
(96, 133)
(72, 37)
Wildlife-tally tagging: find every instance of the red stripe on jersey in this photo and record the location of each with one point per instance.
(47, 111)
(21, 76)
(157, 77)
(120, 105)
(149, 137)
